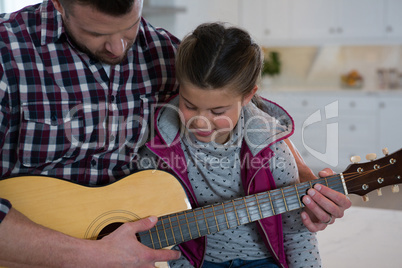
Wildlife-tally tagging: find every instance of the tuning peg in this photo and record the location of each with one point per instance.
(379, 192)
(355, 159)
(395, 188)
(371, 156)
(385, 151)
(365, 198)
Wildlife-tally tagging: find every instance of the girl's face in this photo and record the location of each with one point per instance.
(210, 115)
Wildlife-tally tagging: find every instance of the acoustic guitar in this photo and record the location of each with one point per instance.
(92, 212)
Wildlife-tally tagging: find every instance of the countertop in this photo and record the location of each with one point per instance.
(364, 237)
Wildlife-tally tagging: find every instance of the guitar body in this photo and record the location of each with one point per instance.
(84, 212)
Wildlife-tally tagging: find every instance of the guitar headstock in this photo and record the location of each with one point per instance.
(362, 178)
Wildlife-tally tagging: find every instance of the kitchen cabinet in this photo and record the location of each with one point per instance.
(265, 19)
(393, 18)
(201, 11)
(321, 22)
(346, 124)
(337, 19)
(389, 122)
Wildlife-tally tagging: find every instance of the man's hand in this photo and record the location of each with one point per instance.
(43, 247)
(323, 205)
(123, 245)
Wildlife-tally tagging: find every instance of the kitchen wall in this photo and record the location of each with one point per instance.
(320, 68)
(314, 67)
(7, 6)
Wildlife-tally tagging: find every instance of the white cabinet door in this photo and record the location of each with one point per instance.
(342, 19)
(314, 18)
(266, 20)
(393, 10)
(361, 18)
(390, 123)
(201, 11)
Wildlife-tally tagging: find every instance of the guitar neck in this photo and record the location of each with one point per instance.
(187, 225)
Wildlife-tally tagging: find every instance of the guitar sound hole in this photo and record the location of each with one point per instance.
(109, 229)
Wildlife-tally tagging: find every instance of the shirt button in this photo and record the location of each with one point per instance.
(112, 98)
(111, 137)
(54, 119)
(93, 162)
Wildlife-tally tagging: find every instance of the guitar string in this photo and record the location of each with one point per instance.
(275, 196)
(349, 177)
(302, 187)
(241, 208)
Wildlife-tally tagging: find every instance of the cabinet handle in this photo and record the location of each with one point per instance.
(389, 29)
(267, 32)
(339, 30)
(332, 30)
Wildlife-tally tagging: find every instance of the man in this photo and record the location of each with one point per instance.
(78, 80)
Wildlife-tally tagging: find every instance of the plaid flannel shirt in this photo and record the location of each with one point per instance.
(61, 115)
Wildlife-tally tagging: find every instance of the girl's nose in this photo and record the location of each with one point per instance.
(201, 122)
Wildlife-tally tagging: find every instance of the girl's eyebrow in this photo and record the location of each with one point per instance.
(220, 107)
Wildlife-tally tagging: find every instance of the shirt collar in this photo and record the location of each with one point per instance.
(51, 23)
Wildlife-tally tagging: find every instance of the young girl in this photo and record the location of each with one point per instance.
(224, 142)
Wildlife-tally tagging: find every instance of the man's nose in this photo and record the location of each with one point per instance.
(116, 46)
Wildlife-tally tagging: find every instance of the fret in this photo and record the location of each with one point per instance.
(157, 233)
(292, 198)
(216, 220)
(171, 229)
(253, 208)
(278, 201)
(206, 221)
(235, 212)
(152, 240)
(196, 223)
(164, 231)
(259, 207)
(326, 182)
(183, 220)
(284, 200)
(298, 196)
(272, 205)
(188, 225)
(179, 225)
(245, 207)
(226, 218)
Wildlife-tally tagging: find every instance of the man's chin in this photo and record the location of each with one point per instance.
(111, 61)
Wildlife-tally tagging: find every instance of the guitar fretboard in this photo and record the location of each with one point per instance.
(187, 225)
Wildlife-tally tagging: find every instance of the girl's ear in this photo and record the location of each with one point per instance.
(249, 96)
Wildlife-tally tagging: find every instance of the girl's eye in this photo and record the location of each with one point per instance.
(218, 112)
(190, 107)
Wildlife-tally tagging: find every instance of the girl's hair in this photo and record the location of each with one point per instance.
(110, 7)
(215, 56)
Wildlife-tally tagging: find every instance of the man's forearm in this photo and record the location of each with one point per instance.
(305, 173)
(24, 243)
